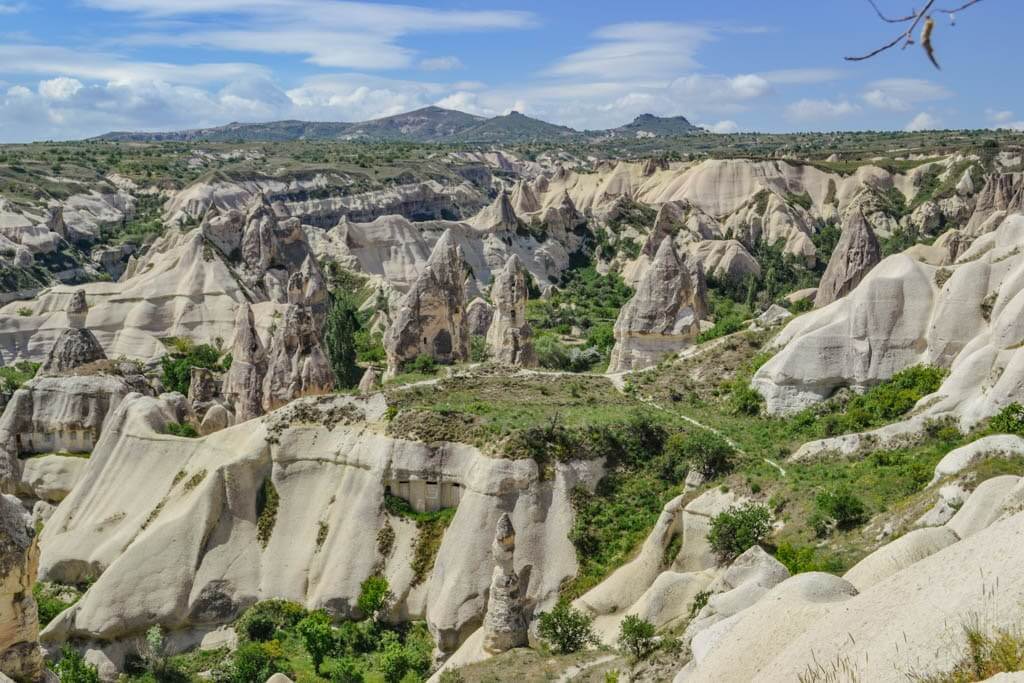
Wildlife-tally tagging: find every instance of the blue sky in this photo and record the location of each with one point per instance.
(74, 69)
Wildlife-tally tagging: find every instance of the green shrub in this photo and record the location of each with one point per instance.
(800, 559)
(699, 602)
(176, 367)
(745, 400)
(375, 597)
(565, 628)
(49, 602)
(636, 636)
(705, 451)
(801, 306)
(423, 364)
(72, 667)
(13, 377)
(1009, 420)
(838, 507)
(396, 660)
(735, 531)
(183, 430)
(478, 348)
(346, 670)
(262, 620)
(266, 511)
(256, 662)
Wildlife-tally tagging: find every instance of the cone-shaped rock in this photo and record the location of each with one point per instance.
(296, 363)
(498, 216)
(431, 317)
(368, 384)
(504, 625)
(76, 345)
(480, 315)
(243, 385)
(854, 256)
(661, 318)
(524, 199)
(510, 338)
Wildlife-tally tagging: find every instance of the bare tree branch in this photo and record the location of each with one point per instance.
(906, 37)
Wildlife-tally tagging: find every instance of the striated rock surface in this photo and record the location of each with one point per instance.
(243, 385)
(20, 656)
(504, 625)
(296, 363)
(510, 337)
(855, 255)
(660, 318)
(479, 315)
(431, 317)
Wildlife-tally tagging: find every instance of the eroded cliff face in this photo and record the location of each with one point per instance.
(20, 655)
(185, 544)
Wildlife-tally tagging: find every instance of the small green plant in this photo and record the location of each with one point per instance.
(423, 364)
(72, 667)
(261, 621)
(1009, 420)
(734, 531)
(565, 628)
(985, 654)
(266, 509)
(705, 451)
(183, 430)
(699, 601)
(800, 559)
(256, 662)
(838, 508)
(478, 349)
(636, 636)
(24, 311)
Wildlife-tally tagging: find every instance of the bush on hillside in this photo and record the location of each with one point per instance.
(1009, 420)
(636, 636)
(735, 531)
(838, 507)
(565, 628)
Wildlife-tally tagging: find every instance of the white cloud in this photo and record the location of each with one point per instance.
(999, 116)
(800, 76)
(645, 50)
(724, 126)
(61, 88)
(816, 110)
(901, 94)
(713, 90)
(440, 63)
(923, 121)
(11, 8)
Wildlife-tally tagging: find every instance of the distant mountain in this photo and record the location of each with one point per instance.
(514, 127)
(649, 125)
(430, 124)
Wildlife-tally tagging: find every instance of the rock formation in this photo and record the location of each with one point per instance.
(431, 317)
(296, 363)
(479, 315)
(660, 319)
(20, 656)
(202, 386)
(855, 255)
(510, 337)
(369, 382)
(76, 346)
(504, 625)
(243, 385)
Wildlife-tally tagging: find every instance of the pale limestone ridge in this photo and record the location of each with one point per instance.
(510, 337)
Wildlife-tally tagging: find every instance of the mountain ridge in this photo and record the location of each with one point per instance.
(427, 124)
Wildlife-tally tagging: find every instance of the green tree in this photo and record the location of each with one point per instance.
(566, 628)
(340, 338)
(636, 636)
(374, 596)
(735, 531)
(317, 636)
(254, 662)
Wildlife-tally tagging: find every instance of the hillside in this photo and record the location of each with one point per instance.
(429, 124)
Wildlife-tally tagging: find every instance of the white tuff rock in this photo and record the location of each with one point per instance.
(510, 337)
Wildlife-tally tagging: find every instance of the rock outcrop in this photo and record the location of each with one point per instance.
(479, 315)
(855, 255)
(431, 317)
(296, 363)
(20, 655)
(243, 384)
(661, 318)
(504, 625)
(369, 382)
(510, 337)
(76, 345)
